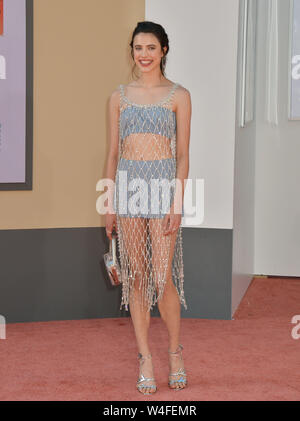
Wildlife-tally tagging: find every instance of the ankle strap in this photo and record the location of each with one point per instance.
(180, 347)
(140, 356)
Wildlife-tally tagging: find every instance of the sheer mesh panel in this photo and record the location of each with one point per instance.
(147, 160)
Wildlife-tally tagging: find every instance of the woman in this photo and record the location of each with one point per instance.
(149, 148)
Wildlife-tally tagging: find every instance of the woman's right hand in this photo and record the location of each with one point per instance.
(110, 222)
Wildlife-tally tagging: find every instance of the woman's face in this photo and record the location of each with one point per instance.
(147, 51)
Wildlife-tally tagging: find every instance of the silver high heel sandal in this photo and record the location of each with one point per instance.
(181, 372)
(142, 378)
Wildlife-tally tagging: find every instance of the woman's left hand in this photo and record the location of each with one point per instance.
(171, 222)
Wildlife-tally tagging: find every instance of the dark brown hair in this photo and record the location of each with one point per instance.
(157, 30)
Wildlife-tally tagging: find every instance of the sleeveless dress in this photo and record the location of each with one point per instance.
(144, 190)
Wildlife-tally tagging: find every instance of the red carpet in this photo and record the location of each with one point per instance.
(252, 357)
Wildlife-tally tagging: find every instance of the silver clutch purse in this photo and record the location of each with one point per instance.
(111, 262)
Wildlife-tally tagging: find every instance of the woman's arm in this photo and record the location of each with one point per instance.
(113, 127)
(183, 107)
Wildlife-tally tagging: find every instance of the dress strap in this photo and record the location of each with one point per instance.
(123, 99)
(122, 94)
(171, 93)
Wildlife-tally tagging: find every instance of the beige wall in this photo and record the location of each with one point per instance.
(81, 55)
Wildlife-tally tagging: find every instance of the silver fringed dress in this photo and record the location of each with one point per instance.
(147, 155)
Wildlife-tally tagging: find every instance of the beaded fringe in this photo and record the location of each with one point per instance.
(142, 279)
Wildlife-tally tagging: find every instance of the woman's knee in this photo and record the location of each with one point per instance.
(168, 287)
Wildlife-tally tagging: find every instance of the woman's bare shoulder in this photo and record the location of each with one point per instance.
(182, 96)
(114, 98)
(182, 91)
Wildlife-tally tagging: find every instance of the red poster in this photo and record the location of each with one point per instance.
(1, 17)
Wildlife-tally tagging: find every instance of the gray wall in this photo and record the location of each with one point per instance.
(58, 274)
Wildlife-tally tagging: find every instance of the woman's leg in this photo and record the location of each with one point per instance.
(169, 305)
(135, 238)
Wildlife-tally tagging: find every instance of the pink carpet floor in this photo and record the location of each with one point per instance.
(253, 357)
